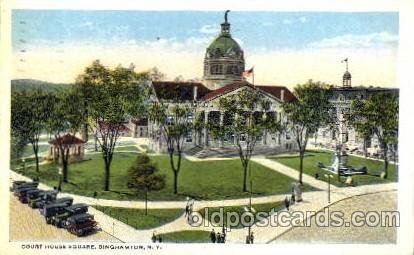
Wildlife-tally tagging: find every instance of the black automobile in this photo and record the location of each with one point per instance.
(64, 200)
(21, 184)
(59, 219)
(20, 193)
(15, 184)
(52, 209)
(30, 194)
(46, 198)
(81, 224)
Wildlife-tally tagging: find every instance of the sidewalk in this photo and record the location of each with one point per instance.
(292, 173)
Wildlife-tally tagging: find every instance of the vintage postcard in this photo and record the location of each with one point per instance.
(157, 130)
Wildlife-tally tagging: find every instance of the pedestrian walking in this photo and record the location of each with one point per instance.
(218, 237)
(159, 239)
(190, 209)
(187, 208)
(153, 238)
(213, 236)
(287, 202)
(292, 198)
(251, 238)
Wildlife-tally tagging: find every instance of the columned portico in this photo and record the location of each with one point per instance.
(221, 126)
(205, 130)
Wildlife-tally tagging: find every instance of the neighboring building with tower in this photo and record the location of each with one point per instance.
(341, 98)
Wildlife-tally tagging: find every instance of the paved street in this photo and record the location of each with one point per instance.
(26, 224)
(386, 201)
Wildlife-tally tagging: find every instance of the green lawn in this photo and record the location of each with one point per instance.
(188, 236)
(126, 148)
(137, 218)
(209, 180)
(28, 150)
(267, 207)
(312, 157)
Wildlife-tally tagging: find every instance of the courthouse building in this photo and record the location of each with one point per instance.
(224, 64)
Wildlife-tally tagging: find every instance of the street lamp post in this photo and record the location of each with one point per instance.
(329, 176)
(249, 209)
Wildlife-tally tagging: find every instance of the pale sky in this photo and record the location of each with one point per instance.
(285, 48)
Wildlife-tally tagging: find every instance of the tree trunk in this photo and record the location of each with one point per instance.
(37, 162)
(146, 201)
(301, 155)
(175, 170)
(245, 177)
(175, 182)
(107, 171)
(96, 142)
(65, 170)
(385, 161)
(365, 148)
(35, 147)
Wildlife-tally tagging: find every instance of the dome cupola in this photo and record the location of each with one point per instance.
(346, 78)
(224, 59)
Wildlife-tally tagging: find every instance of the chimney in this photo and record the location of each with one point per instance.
(282, 95)
(195, 88)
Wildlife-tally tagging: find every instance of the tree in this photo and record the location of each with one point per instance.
(17, 144)
(155, 75)
(142, 177)
(114, 95)
(29, 112)
(307, 114)
(64, 122)
(378, 115)
(246, 117)
(174, 124)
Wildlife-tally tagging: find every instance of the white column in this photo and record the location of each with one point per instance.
(221, 126)
(205, 130)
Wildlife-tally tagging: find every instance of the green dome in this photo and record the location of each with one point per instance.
(224, 43)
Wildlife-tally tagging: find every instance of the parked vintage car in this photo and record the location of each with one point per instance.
(15, 184)
(52, 209)
(21, 184)
(59, 219)
(81, 224)
(64, 200)
(20, 192)
(24, 198)
(46, 198)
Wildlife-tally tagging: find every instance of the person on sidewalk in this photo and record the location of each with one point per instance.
(287, 203)
(223, 234)
(219, 237)
(187, 209)
(153, 238)
(213, 236)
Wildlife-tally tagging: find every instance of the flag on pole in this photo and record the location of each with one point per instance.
(248, 73)
(345, 60)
